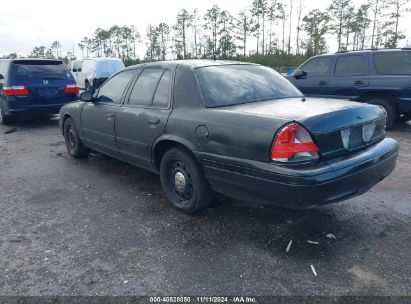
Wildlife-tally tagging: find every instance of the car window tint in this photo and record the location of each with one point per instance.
(317, 66)
(350, 66)
(161, 97)
(235, 84)
(29, 70)
(143, 90)
(113, 89)
(393, 63)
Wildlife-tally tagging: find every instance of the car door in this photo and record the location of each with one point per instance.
(98, 118)
(314, 82)
(144, 115)
(350, 76)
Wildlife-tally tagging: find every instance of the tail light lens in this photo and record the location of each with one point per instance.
(72, 88)
(15, 91)
(293, 143)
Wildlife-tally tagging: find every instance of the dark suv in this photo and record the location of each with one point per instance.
(380, 77)
(34, 87)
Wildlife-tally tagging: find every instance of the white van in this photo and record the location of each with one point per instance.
(91, 73)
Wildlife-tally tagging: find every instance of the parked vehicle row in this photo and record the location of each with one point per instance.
(90, 74)
(242, 130)
(380, 77)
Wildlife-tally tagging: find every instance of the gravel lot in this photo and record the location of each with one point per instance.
(101, 227)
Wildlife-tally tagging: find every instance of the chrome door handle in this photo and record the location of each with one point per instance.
(110, 116)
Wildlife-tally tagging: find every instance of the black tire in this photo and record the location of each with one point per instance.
(405, 117)
(4, 119)
(75, 147)
(184, 182)
(392, 113)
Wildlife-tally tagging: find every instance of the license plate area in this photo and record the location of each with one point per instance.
(47, 92)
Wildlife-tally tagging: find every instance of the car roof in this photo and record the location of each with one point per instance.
(102, 59)
(30, 59)
(191, 63)
(365, 51)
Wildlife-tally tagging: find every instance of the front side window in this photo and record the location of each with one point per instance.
(317, 67)
(143, 91)
(239, 83)
(113, 89)
(393, 63)
(351, 66)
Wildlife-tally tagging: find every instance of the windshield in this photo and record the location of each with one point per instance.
(235, 84)
(110, 66)
(39, 70)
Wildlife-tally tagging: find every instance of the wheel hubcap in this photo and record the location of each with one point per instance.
(71, 139)
(180, 181)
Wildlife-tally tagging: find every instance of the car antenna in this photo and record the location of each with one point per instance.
(303, 99)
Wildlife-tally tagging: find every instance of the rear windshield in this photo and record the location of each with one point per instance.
(235, 84)
(39, 70)
(393, 63)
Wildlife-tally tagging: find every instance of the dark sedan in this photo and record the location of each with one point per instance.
(237, 129)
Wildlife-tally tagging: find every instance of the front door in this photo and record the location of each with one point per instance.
(98, 118)
(144, 115)
(317, 75)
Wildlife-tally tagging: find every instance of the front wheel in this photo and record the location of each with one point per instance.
(4, 119)
(184, 182)
(88, 87)
(75, 146)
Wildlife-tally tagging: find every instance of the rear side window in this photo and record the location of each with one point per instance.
(143, 91)
(162, 95)
(26, 70)
(351, 66)
(393, 63)
(113, 89)
(317, 66)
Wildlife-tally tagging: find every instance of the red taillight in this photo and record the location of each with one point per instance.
(71, 88)
(15, 91)
(293, 143)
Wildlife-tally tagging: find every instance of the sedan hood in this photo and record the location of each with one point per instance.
(319, 115)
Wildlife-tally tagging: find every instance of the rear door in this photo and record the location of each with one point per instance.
(45, 80)
(98, 118)
(350, 76)
(144, 116)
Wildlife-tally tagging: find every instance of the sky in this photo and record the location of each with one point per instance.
(30, 23)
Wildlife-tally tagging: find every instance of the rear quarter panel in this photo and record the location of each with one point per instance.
(225, 133)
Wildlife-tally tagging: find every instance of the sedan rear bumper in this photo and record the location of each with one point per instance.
(301, 187)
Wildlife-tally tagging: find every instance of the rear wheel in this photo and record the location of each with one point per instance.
(75, 146)
(392, 113)
(184, 182)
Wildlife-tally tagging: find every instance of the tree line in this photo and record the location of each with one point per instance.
(272, 32)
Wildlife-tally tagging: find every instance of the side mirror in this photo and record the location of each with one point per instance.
(300, 74)
(1, 77)
(87, 96)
